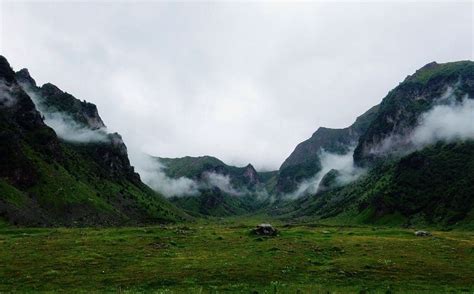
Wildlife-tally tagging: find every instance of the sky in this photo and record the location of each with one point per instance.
(242, 81)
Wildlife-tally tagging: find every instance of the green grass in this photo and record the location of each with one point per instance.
(208, 257)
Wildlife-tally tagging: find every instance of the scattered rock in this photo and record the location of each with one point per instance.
(265, 230)
(422, 234)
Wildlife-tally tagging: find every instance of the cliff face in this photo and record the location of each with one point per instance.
(400, 110)
(110, 152)
(49, 99)
(407, 183)
(49, 181)
(304, 161)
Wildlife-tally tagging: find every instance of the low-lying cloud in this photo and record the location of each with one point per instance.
(450, 119)
(69, 130)
(64, 125)
(450, 122)
(343, 163)
(152, 173)
(222, 182)
(6, 97)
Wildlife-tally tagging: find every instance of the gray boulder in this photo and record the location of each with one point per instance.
(422, 234)
(265, 230)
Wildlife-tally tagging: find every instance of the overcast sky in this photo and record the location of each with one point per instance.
(245, 82)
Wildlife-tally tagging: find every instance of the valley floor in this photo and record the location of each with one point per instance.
(218, 257)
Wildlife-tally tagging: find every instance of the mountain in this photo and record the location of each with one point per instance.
(223, 190)
(197, 167)
(400, 110)
(82, 178)
(304, 162)
(409, 179)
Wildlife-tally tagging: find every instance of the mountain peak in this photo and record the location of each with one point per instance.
(23, 77)
(49, 89)
(6, 71)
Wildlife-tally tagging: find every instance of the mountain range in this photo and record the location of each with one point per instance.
(406, 161)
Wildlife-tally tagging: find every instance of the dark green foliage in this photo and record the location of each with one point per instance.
(432, 186)
(47, 182)
(212, 201)
(197, 167)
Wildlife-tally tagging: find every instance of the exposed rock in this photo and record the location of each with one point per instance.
(265, 230)
(422, 234)
(251, 175)
(304, 162)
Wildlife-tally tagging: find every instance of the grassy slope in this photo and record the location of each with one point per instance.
(76, 192)
(225, 257)
(430, 186)
(46, 182)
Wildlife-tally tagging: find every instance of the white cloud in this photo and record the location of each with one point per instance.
(6, 97)
(448, 120)
(343, 163)
(152, 173)
(244, 82)
(222, 182)
(454, 121)
(69, 130)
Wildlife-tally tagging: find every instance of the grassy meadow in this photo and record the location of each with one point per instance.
(222, 256)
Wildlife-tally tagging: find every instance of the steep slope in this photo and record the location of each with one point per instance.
(400, 110)
(432, 186)
(304, 162)
(48, 181)
(408, 183)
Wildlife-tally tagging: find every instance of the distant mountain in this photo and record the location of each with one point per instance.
(223, 189)
(83, 178)
(417, 173)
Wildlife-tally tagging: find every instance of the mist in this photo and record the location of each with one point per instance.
(66, 127)
(6, 99)
(451, 122)
(343, 163)
(261, 72)
(450, 119)
(152, 173)
(222, 182)
(69, 130)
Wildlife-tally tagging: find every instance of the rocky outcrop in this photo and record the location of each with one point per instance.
(304, 161)
(47, 181)
(251, 175)
(50, 99)
(400, 110)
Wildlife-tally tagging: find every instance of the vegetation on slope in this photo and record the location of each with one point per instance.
(430, 186)
(47, 182)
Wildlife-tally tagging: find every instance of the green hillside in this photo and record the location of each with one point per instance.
(45, 181)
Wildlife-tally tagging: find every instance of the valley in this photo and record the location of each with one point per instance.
(220, 256)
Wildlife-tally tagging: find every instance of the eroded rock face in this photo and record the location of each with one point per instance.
(251, 175)
(265, 230)
(304, 162)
